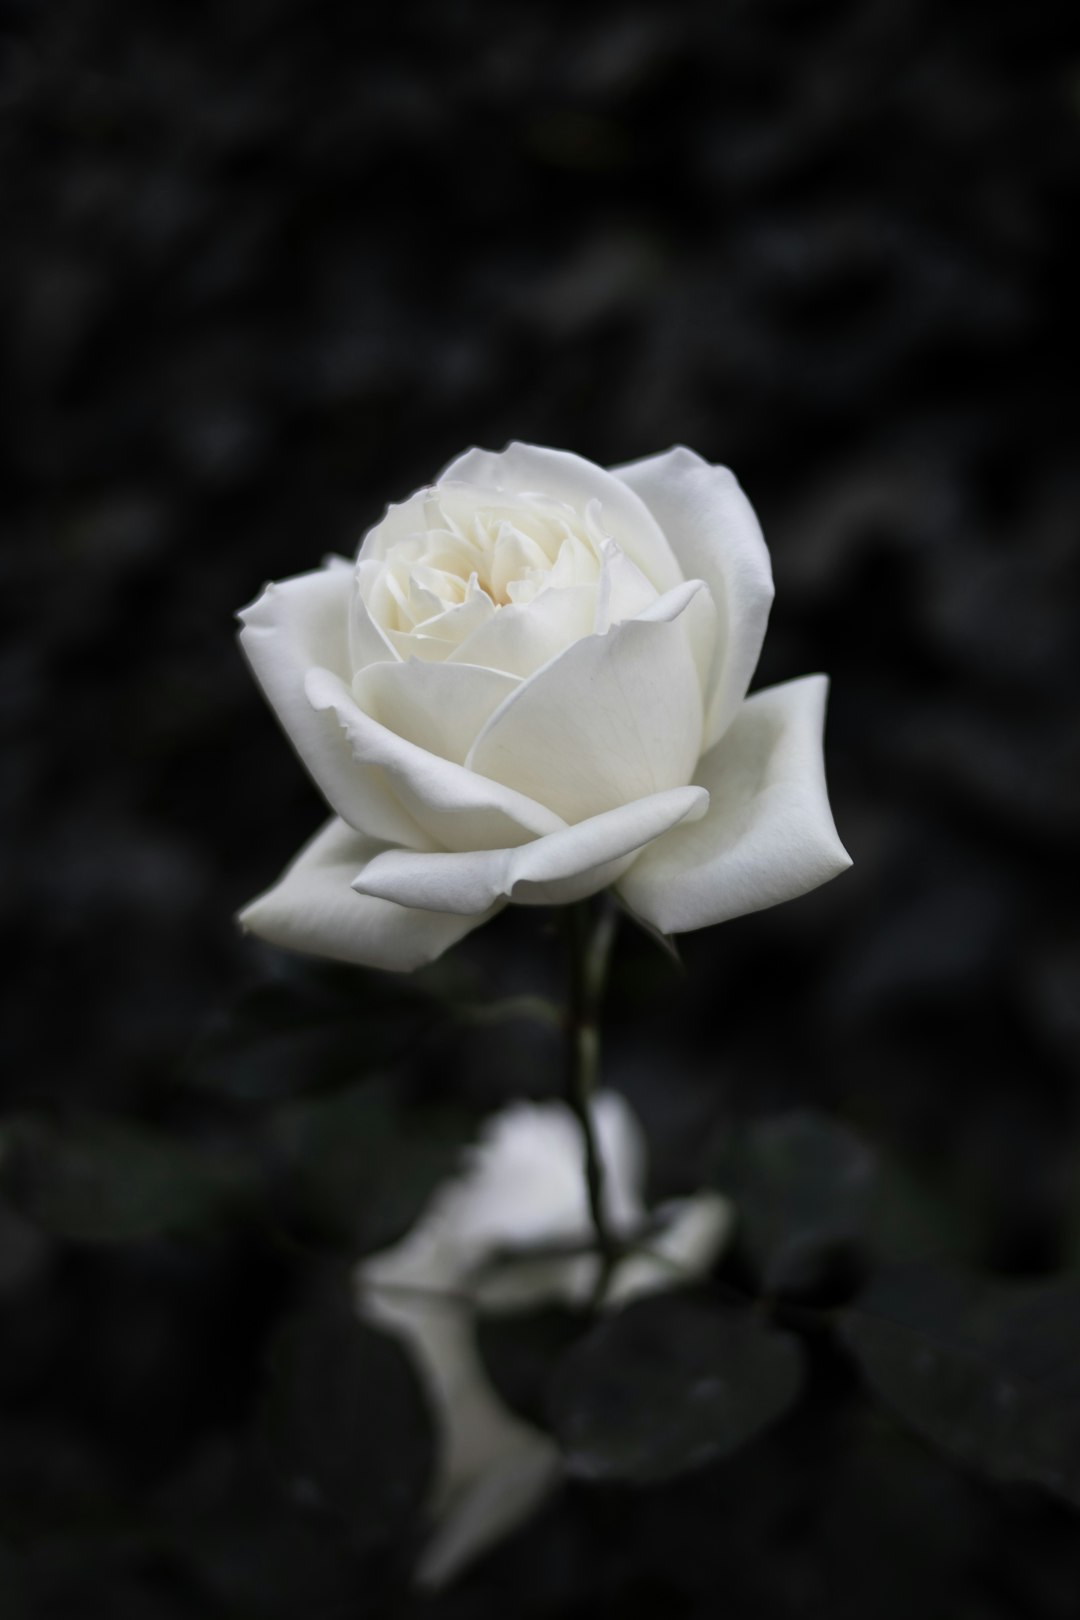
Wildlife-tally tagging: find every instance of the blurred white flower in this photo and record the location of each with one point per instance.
(522, 1189)
(531, 685)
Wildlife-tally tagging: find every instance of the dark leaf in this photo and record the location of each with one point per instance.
(347, 1424)
(102, 1181)
(356, 1168)
(313, 1027)
(669, 1384)
(802, 1187)
(521, 1352)
(988, 1371)
(12, 1590)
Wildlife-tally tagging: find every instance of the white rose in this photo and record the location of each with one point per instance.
(523, 1188)
(530, 685)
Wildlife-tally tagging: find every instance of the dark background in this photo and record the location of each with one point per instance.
(268, 265)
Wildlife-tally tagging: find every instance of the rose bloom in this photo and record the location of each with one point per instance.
(521, 1190)
(531, 685)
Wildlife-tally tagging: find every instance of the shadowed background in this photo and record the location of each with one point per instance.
(269, 265)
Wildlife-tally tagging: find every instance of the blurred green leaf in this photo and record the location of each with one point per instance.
(347, 1425)
(521, 1351)
(988, 1371)
(98, 1180)
(802, 1186)
(669, 1384)
(355, 1169)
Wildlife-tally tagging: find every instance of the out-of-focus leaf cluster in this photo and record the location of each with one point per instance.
(316, 1118)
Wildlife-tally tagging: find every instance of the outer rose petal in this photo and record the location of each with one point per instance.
(714, 533)
(313, 908)
(528, 469)
(455, 806)
(440, 707)
(769, 834)
(613, 719)
(293, 625)
(553, 871)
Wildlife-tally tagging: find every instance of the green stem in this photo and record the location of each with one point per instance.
(589, 942)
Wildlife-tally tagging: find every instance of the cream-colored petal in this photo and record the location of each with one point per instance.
(623, 591)
(715, 535)
(292, 626)
(769, 833)
(530, 469)
(457, 808)
(556, 870)
(368, 640)
(440, 707)
(614, 718)
(313, 908)
(521, 637)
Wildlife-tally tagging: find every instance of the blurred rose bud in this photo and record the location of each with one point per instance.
(511, 1234)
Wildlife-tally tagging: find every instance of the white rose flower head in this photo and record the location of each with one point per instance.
(531, 685)
(522, 1190)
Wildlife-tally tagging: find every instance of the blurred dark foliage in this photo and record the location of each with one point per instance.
(268, 264)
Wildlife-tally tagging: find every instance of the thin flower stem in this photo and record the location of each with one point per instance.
(589, 940)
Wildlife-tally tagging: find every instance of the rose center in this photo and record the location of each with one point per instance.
(508, 554)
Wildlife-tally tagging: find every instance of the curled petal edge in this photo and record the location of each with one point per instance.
(769, 835)
(557, 870)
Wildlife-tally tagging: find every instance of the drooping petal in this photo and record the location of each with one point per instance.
(523, 469)
(556, 870)
(614, 718)
(522, 1186)
(457, 808)
(292, 626)
(716, 537)
(313, 908)
(522, 1189)
(440, 707)
(479, 1439)
(769, 833)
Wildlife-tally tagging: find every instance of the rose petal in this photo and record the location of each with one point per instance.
(769, 834)
(716, 537)
(480, 1439)
(368, 643)
(455, 806)
(624, 591)
(313, 908)
(614, 718)
(522, 1186)
(520, 638)
(691, 1233)
(529, 469)
(556, 870)
(528, 1470)
(440, 707)
(293, 625)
